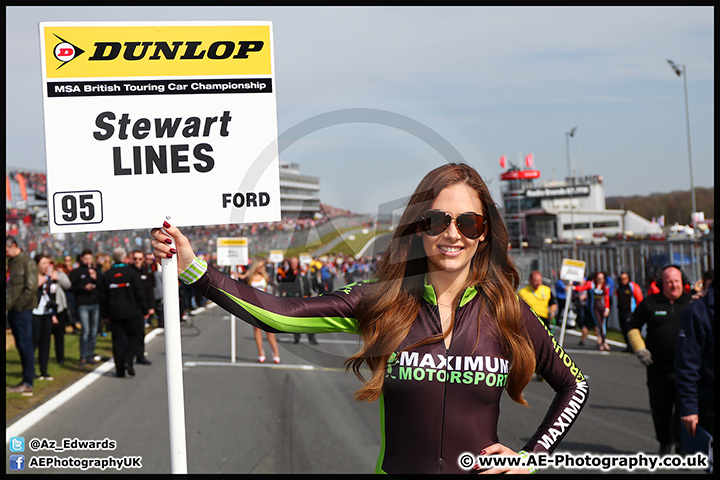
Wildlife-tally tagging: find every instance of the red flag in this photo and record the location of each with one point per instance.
(23, 188)
(7, 188)
(502, 161)
(529, 160)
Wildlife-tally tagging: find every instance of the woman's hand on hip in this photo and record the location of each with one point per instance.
(500, 449)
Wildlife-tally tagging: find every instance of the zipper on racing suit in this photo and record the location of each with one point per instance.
(441, 460)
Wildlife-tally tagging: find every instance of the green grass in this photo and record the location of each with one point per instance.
(346, 247)
(63, 375)
(353, 247)
(295, 251)
(615, 335)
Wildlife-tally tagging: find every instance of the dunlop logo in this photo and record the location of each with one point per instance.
(112, 51)
(133, 51)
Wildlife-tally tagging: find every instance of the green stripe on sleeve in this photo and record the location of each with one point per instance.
(285, 323)
(194, 271)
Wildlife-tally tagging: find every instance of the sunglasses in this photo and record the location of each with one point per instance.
(470, 224)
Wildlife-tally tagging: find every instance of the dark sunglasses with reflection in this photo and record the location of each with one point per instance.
(472, 225)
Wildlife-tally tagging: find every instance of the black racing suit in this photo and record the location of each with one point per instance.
(437, 403)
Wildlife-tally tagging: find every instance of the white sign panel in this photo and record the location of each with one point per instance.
(276, 256)
(572, 270)
(232, 251)
(145, 120)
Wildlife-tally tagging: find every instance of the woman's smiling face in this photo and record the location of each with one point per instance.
(451, 251)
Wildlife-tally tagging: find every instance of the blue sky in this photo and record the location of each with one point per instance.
(488, 81)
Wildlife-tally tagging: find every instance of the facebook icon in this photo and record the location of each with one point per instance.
(17, 462)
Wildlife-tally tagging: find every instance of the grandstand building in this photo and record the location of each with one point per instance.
(556, 211)
(299, 194)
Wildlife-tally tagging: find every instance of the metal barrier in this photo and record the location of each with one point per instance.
(642, 260)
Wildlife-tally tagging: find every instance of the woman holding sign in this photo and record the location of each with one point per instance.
(443, 331)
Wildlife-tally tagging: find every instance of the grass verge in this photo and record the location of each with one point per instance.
(295, 251)
(63, 375)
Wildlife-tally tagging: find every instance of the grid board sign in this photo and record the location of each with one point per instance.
(148, 121)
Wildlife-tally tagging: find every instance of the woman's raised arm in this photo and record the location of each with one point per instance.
(162, 248)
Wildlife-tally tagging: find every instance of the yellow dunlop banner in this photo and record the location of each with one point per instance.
(156, 51)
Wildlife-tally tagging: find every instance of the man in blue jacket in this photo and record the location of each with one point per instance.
(695, 364)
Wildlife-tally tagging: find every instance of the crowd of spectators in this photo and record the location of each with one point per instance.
(285, 234)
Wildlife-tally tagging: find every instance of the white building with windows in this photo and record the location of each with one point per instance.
(299, 193)
(561, 210)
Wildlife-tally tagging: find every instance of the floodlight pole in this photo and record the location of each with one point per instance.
(571, 187)
(519, 202)
(680, 72)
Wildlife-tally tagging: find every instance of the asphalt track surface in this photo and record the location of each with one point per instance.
(300, 416)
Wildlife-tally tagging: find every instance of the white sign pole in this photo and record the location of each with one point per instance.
(568, 297)
(233, 340)
(173, 365)
(232, 325)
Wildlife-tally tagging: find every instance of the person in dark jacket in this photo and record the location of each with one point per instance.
(661, 313)
(148, 281)
(87, 299)
(45, 314)
(695, 364)
(21, 298)
(629, 296)
(123, 302)
(154, 267)
(294, 282)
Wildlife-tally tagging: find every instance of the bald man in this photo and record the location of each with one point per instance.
(661, 313)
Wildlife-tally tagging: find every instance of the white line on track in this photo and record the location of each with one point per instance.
(323, 340)
(590, 337)
(52, 404)
(590, 352)
(277, 366)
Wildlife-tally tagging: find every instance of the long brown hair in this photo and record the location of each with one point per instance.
(387, 312)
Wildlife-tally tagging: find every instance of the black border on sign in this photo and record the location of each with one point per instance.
(74, 192)
(113, 88)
